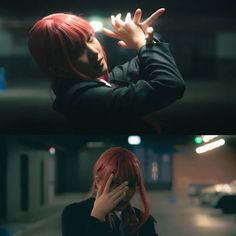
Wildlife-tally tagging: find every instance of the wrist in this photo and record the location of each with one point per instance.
(97, 215)
(140, 44)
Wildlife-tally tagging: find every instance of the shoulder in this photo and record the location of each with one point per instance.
(78, 208)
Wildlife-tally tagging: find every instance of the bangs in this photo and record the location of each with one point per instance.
(77, 30)
(74, 30)
(125, 172)
(124, 166)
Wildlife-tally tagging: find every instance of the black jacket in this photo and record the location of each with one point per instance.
(146, 83)
(76, 221)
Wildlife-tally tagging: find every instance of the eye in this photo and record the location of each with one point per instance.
(90, 38)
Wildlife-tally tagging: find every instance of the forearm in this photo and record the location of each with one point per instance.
(158, 67)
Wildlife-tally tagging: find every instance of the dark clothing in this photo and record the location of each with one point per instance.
(76, 221)
(146, 83)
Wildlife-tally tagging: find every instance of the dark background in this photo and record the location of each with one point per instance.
(202, 38)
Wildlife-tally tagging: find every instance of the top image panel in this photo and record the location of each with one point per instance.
(68, 67)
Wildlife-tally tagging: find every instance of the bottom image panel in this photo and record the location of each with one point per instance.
(117, 185)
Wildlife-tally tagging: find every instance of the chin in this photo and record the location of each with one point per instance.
(101, 73)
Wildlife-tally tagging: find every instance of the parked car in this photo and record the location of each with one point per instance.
(221, 196)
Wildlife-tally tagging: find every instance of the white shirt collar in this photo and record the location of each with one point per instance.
(105, 82)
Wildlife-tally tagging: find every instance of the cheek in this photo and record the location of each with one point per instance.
(83, 65)
(82, 60)
(99, 47)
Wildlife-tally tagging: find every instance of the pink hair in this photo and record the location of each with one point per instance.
(53, 40)
(125, 166)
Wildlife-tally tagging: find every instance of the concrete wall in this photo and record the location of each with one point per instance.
(35, 157)
(3, 177)
(87, 159)
(13, 179)
(213, 167)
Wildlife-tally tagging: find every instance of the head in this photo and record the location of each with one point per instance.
(125, 167)
(65, 46)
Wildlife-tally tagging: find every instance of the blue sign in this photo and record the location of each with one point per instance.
(3, 85)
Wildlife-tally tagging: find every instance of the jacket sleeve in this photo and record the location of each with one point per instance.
(148, 229)
(158, 84)
(78, 223)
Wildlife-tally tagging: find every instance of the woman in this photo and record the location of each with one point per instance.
(117, 176)
(66, 48)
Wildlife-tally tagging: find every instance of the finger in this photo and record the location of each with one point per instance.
(153, 17)
(113, 20)
(128, 17)
(118, 194)
(118, 20)
(137, 16)
(122, 195)
(118, 15)
(149, 33)
(122, 44)
(108, 184)
(149, 38)
(150, 30)
(99, 192)
(119, 188)
(109, 33)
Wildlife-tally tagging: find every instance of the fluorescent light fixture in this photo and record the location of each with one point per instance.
(207, 138)
(210, 146)
(134, 140)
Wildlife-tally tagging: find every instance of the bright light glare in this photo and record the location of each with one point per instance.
(207, 138)
(134, 140)
(223, 188)
(97, 25)
(218, 188)
(227, 188)
(210, 146)
(52, 150)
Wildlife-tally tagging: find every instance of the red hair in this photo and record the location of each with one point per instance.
(53, 41)
(125, 166)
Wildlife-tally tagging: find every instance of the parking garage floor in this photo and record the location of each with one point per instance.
(174, 217)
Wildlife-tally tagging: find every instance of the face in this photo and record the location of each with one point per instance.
(91, 61)
(125, 201)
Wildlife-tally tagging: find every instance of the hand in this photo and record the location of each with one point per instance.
(106, 201)
(130, 34)
(146, 24)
